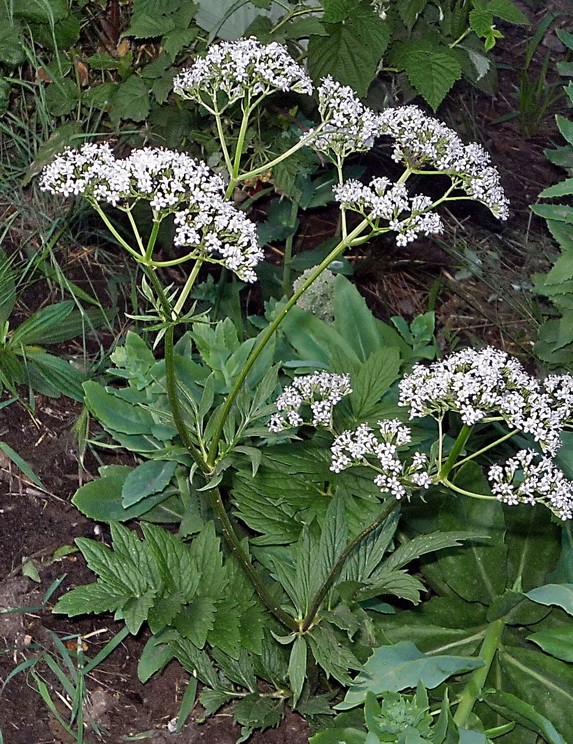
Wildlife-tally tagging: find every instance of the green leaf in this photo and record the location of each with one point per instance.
(21, 464)
(40, 11)
(135, 611)
(297, 668)
(196, 620)
(508, 11)
(155, 656)
(12, 51)
(395, 668)
(229, 19)
(563, 188)
(477, 571)
(373, 380)
(352, 50)
(558, 642)
(131, 100)
(40, 325)
(212, 700)
(303, 28)
(337, 735)
(431, 68)
(258, 711)
(554, 594)
(92, 598)
(410, 11)
(54, 376)
(101, 500)
(481, 20)
(144, 26)
(514, 709)
(335, 658)
(355, 323)
(533, 543)
(146, 479)
(543, 682)
(565, 127)
(62, 97)
(114, 413)
(173, 560)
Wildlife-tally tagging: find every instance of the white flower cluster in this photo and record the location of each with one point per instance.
(163, 177)
(421, 140)
(321, 391)
(349, 126)
(318, 299)
(90, 171)
(222, 233)
(393, 476)
(237, 68)
(489, 382)
(382, 199)
(171, 182)
(381, 7)
(528, 478)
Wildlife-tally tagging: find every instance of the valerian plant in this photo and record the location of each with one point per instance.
(288, 511)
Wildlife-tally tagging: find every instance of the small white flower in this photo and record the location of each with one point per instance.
(478, 384)
(349, 126)
(383, 200)
(361, 446)
(240, 68)
(421, 141)
(529, 478)
(320, 391)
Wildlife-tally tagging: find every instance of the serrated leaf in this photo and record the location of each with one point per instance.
(410, 11)
(335, 658)
(40, 11)
(92, 598)
(173, 559)
(121, 576)
(212, 700)
(481, 20)
(352, 50)
(423, 544)
(565, 127)
(114, 413)
(135, 611)
(563, 188)
(146, 479)
(508, 11)
(398, 667)
(258, 711)
(195, 661)
(297, 668)
(374, 378)
(431, 68)
(144, 26)
(130, 100)
(196, 620)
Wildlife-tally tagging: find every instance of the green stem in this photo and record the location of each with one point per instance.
(223, 142)
(173, 398)
(460, 38)
(152, 276)
(473, 690)
(247, 110)
(471, 494)
(387, 509)
(235, 547)
(342, 209)
(288, 249)
(459, 444)
(267, 335)
(294, 14)
(152, 240)
(486, 448)
(187, 287)
(115, 233)
(136, 232)
(303, 141)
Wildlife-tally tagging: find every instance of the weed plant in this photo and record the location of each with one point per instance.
(307, 462)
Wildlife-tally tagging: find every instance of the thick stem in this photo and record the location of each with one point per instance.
(173, 398)
(459, 444)
(235, 547)
(247, 110)
(387, 509)
(152, 240)
(473, 690)
(267, 335)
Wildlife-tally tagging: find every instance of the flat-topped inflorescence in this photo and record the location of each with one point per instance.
(490, 383)
(363, 445)
(163, 177)
(383, 200)
(348, 125)
(320, 391)
(529, 478)
(241, 68)
(422, 141)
